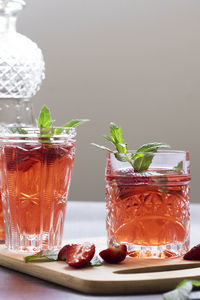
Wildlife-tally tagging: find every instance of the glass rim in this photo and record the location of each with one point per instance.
(160, 151)
(26, 132)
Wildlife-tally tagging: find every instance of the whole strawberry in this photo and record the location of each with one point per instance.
(114, 255)
(193, 254)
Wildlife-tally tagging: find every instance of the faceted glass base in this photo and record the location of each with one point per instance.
(34, 243)
(172, 250)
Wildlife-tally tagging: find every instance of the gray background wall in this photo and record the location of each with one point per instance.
(134, 62)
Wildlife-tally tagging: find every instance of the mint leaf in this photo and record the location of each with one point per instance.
(152, 147)
(116, 133)
(195, 283)
(182, 290)
(181, 283)
(102, 147)
(42, 256)
(95, 262)
(72, 123)
(75, 123)
(179, 166)
(117, 138)
(44, 119)
(142, 162)
(144, 155)
(180, 293)
(120, 156)
(18, 130)
(45, 125)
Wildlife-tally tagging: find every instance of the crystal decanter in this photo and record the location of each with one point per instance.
(21, 74)
(21, 68)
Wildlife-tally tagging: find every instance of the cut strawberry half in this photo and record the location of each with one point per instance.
(62, 253)
(193, 254)
(114, 255)
(79, 255)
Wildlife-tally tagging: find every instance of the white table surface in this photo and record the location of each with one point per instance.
(83, 220)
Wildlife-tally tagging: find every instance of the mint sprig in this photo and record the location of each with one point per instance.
(42, 256)
(45, 124)
(141, 159)
(182, 291)
(179, 167)
(45, 119)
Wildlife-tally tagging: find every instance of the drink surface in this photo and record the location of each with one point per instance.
(148, 211)
(37, 178)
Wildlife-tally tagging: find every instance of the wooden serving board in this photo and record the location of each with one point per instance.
(129, 277)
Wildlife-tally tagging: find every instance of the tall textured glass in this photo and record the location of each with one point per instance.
(149, 211)
(36, 174)
(21, 73)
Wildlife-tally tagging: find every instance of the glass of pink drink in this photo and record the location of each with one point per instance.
(149, 211)
(36, 174)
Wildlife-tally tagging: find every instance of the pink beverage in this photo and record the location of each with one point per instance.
(36, 179)
(149, 211)
(2, 233)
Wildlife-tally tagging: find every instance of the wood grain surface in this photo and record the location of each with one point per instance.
(131, 276)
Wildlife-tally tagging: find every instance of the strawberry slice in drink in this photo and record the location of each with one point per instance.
(26, 156)
(22, 157)
(125, 180)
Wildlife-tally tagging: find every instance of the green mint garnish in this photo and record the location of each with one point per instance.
(95, 262)
(18, 130)
(182, 291)
(116, 138)
(72, 123)
(45, 124)
(42, 256)
(141, 160)
(103, 147)
(45, 119)
(144, 155)
(179, 166)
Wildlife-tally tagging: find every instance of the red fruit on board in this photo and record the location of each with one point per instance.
(114, 255)
(193, 254)
(79, 255)
(62, 253)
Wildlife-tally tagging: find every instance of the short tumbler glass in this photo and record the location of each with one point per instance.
(149, 211)
(35, 179)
